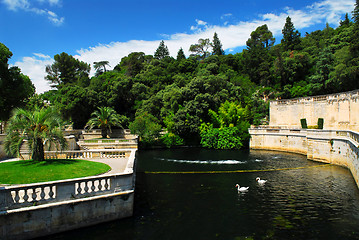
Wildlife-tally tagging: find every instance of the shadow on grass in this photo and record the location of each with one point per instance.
(52, 162)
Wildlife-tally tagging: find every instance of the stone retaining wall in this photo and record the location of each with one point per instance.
(329, 146)
(339, 111)
(40, 209)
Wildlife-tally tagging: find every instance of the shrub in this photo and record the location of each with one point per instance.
(303, 123)
(320, 123)
(220, 138)
(171, 139)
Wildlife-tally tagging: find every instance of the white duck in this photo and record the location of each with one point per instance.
(260, 181)
(241, 189)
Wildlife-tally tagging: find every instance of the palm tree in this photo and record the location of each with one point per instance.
(104, 118)
(40, 127)
(99, 65)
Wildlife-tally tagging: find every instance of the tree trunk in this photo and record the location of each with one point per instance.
(104, 132)
(38, 150)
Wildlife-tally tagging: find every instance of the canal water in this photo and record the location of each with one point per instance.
(191, 194)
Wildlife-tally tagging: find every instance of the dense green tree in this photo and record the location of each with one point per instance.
(345, 22)
(146, 126)
(227, 129)
(324, 66)
(291, 37)
(162, 51)
(113, 89)
(257, 59)
(354, 43)
(201, 49)
(15, 87)
(39, 127)
(292, 67)
(132, 64)
(75, 103)
(67, 70)
(180, 55)
(104, 118)
(217, 46)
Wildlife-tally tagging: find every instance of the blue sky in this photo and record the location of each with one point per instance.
(36, 30)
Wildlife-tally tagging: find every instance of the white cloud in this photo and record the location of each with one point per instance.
(51, 2)
(232, 36)
(201, 23)
(34, 67)
(227, 15)
(16, 4)
(25, 5)
(54, 18)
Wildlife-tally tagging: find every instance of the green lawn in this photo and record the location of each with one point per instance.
(28, 171)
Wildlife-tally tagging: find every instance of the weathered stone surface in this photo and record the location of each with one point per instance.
(339, 111)
(43, 220)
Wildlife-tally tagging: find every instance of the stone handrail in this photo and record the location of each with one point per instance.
(328, 97)
(26, 195)
(84, 154)
(329, 134)
(18, 196)
(104, 141)
(354, 136)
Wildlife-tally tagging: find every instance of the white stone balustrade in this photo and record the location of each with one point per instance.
(18, 196)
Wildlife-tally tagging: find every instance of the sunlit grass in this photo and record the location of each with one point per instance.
(29, 171)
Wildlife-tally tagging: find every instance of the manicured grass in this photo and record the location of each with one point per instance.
(29, 171)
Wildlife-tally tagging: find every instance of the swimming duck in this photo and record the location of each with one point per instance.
(260, 181)
(241, 189)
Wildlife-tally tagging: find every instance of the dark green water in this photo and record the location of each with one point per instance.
(309, 203)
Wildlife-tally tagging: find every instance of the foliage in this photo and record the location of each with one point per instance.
(146, 126)
(100, 67)
(15, 87)
(257, 58)
(220, 138)
(171, 139)
(180, 55)
(228, 128)
(320, 123)
(39, 128)
(75, 103)
(67, 69)
(303, 123)
(201, 49)
(217, 46)
(162, 51)
(104, 118)
(291, 37)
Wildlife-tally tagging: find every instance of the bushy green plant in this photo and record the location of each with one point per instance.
(171, 139)
(146, 126)
(220, 138)
(303, 123)
(320, 123)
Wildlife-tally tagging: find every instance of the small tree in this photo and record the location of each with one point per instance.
(100, 67)
(180, 55)
(217, 45)
(202, 48)
(40, 127)
(162, 51)
(146, 126)
(291, 37)
(104, 118)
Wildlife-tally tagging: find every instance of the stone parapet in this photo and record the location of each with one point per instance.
(40, 209)
(339, 111)
(340, 147)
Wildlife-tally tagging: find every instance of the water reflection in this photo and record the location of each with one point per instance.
(308, 203)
